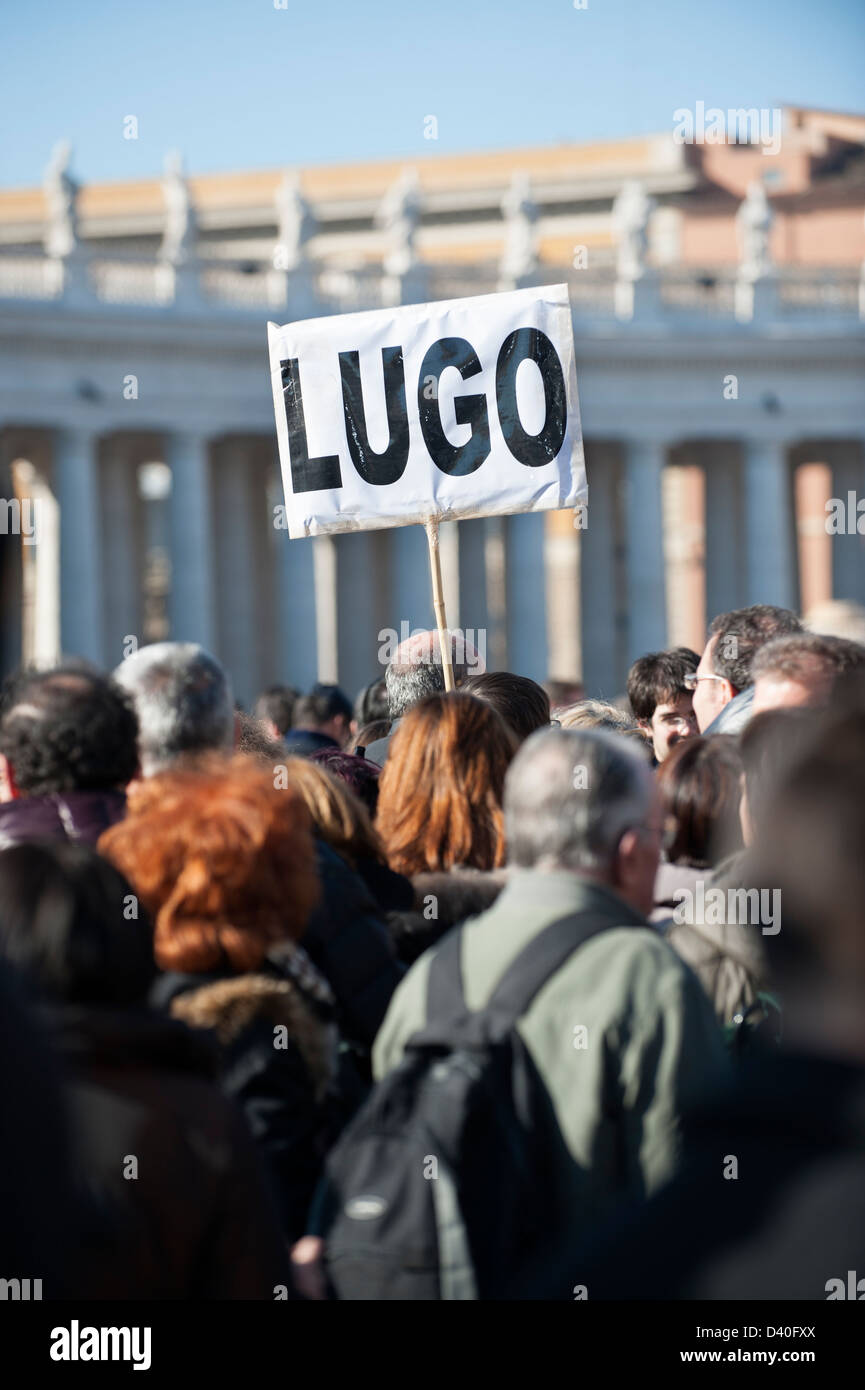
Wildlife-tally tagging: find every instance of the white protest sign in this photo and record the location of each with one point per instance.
(463, 408)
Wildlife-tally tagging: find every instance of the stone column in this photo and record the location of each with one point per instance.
(769, 529)
(297, 647)
(725, 542)
(123, 546)
(562, 564)
(644, 548)
(193, 594)
(813, 489)
(496, 656)
(30, 570)
(473, 608)
(326, 618)
(242, 537)
(525, 587)
(683, 490)
(848, 557)
(599, 574)
(81, 577)
(363, 611)
(410, 592)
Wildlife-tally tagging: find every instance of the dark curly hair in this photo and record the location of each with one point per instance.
(740, 635)
(68, 729)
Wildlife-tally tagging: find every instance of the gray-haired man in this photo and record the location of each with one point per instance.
(183, 700)
(416, 671)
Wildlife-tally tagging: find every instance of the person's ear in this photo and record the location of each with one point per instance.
(645, 727)
(627, 858)
(745, 822)
(8, 786)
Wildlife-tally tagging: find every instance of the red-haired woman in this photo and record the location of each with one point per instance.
(225, 864)
(440, 813)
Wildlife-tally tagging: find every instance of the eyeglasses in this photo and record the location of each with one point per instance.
(690, 681)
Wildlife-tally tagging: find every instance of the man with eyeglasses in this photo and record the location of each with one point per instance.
(723, 684)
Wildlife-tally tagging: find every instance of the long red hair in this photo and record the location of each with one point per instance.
(441, 789)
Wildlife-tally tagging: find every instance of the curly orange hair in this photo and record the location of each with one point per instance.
(222, 860)
(440, 791)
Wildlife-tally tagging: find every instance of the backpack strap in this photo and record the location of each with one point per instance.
(539, 961)
(524, 977)
(445, 993)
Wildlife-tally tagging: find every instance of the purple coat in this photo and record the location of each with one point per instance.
(76, 815)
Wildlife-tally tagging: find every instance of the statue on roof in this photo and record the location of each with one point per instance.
(61, 199)
(179, 232)
(519, 257)
(632, 209)
(754, 225)
(399, 215)
(295, 223)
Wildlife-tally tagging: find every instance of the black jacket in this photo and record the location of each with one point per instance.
(174, 1203)
(278, 1060)
(347, 938)
(441, 901)
(735, 716)
(299, 743)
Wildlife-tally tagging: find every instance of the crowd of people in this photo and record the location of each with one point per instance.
(493, 992)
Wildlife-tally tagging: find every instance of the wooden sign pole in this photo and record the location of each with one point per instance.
(432, 535)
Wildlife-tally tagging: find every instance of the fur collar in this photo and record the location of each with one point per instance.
(228, 1007)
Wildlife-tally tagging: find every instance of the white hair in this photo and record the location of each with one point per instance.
(183, 700)
(570, 795)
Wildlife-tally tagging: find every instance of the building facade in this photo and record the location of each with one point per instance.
(719, 318)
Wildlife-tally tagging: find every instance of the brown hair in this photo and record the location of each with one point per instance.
(700, 787)
(222, 860)
(441, 789)
(339, 816)
(523, 704)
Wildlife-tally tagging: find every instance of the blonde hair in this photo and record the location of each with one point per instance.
(598, 714)
(339, 816)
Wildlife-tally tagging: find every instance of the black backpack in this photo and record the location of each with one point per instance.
(442, 1186)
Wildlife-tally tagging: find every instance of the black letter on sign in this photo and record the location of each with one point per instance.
(457, 459)
(372, 467)
(533, 450)
(307, 475)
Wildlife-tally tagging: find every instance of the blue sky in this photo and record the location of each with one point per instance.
(240, 84)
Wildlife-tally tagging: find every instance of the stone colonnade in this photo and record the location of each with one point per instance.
(140, 536)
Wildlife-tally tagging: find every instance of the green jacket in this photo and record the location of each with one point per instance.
(623, 1036)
